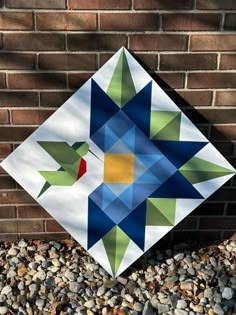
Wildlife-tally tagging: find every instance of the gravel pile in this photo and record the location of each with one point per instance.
(60, 278)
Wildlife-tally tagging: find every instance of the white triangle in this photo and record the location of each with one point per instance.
(189, 132)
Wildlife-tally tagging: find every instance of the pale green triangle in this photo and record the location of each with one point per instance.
(115, 243)
(198, 170)
(121, 88)
(165, 125)
(58, 178)
(160, 211)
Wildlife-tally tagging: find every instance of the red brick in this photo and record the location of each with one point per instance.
(163, 5)
(218, 115)
(189, 223)
(220, 42)
(130, 21)
(44, 236)
(218, 80)
(209, 209)
(228, 61)
(66, 21)
(98, 4)
(27, 212)
(1, 3)
(5, 149)
(7, 212)
(8, 226)
(196, 98)
(158, 42)
(54, 99)
(4, 116)
(35, 4)
(24, 226)
(18, 99)
(10, 61)
(230, 22)
(34, 41)
(15, 197)
(147, 60)
(173, 80)
(15, 133)
(53, 226)
(16, 21)
(95, 42)
(2, 80)
(231, 208)
(225, 98)
(76, 80)
(224, 131)
(224, 194)
(190, 22)
(216, 4)
(229, 235)
(30, 117)
(7, 182)
(68, 61)
(188, 61)
(217, 223)
(202, 236)
(37, 80)
(226, 148)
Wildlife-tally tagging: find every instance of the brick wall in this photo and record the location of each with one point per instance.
(49, 48)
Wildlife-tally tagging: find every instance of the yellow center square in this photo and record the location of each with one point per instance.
(119, 168)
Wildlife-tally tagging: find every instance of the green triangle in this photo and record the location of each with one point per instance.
(198, 170)
(160, 212)
(44, 188)
(115, 243)
(121, 88)
(165, 125)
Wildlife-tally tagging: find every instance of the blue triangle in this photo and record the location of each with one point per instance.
(102, 108)
(179, 152)
(129, 139)
(142, 192)
(148, 178)
(117, 211)
(99, 138)
(134, 225)
(110, 138)
(119, 147)
(149, 159)
(127, 197)
(176, 186)
(98, 224)
(139, 168)
(108, 196)
(139, 107)
(117, 189)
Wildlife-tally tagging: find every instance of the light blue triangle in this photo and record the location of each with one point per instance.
(118, 189)
(127, 197)
(129, 139)
(149, 159)
(108, 196)
(139, 169)
(147, 178)
(110, 138)
(119, 147)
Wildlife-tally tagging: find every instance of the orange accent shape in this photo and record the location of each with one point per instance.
(119, 168)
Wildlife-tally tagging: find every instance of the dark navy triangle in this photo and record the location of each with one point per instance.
(102, 108)
(179, 152)
(98, 224)
(176, 186)
(139, 107)
(134, 225)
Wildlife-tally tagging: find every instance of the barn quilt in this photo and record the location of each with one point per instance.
(118, 165)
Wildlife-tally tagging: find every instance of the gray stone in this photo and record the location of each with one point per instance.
(148, 310)
(180, 312)
(2, 298)
(227, 293)
(70, 275)
(74, 287)
(208, 293)
(11, 274)
(6, 290)
(41, 275)
(3, 310)
(89, 304)
(218, 309)
(12, 251)
(163, 308)
(179, 256)
(40, 303)
(101, 291)
(138, 307)
(181, 304)
(122, 280)
(22, 244)
(129, 298)
(49, 283)
(213, 261)
(191, 271)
